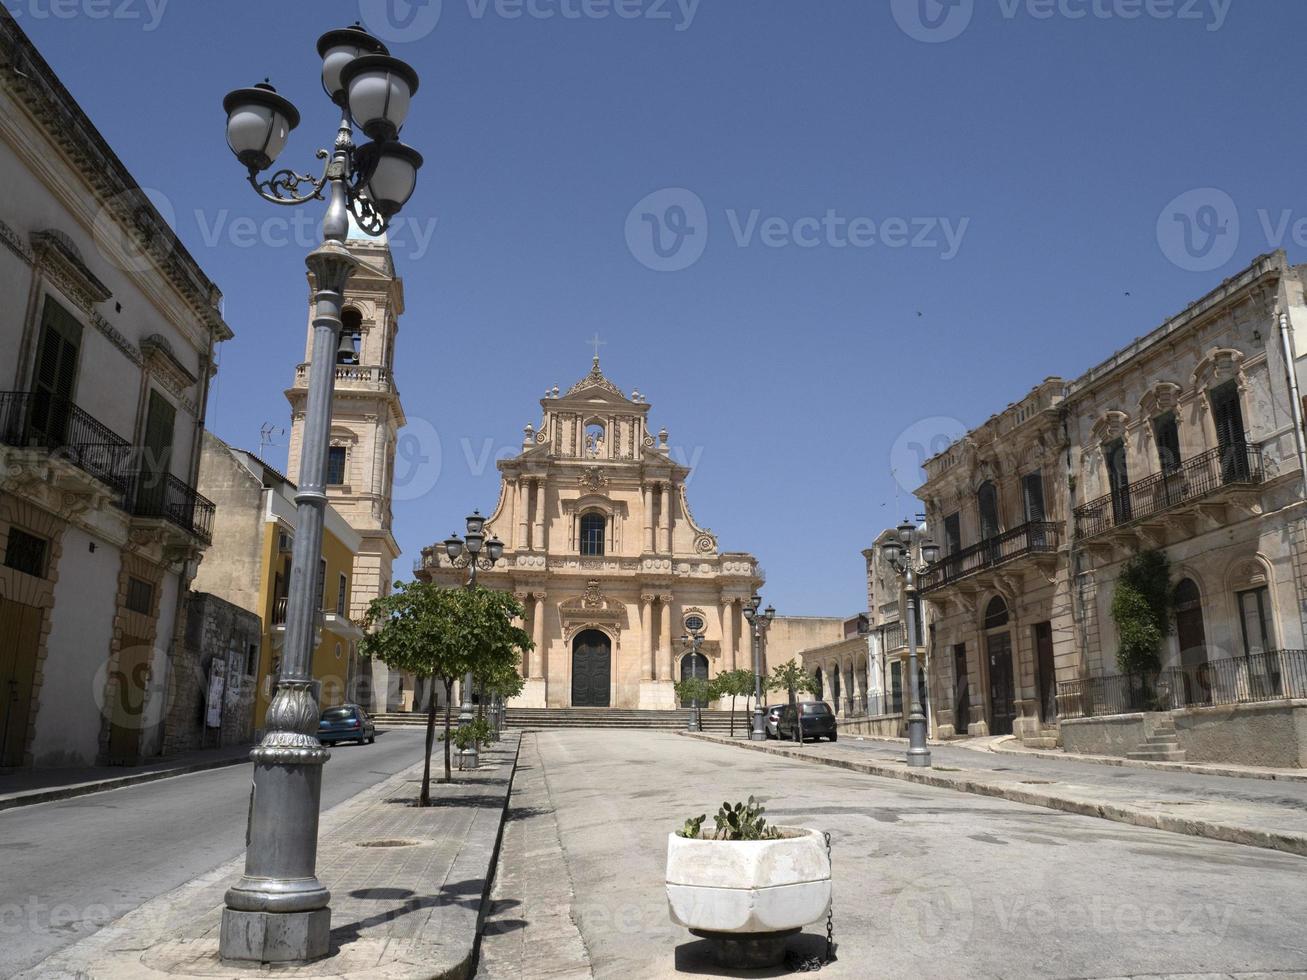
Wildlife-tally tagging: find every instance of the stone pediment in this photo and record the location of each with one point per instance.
(591, 610)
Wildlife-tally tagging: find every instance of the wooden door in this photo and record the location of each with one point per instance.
(20, 627)
(961, 690)
(127, 709)
(591, 670)
(1002, 691)
(1046, 675)
(156, 456)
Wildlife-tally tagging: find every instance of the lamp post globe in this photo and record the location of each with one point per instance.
(279, 911)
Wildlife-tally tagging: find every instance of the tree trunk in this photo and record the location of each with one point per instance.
(732, 716)
(798, 715)
(449, 694)
(424, 799)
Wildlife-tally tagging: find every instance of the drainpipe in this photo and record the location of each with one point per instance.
(1295, 406)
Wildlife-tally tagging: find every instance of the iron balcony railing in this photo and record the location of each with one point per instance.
(1033, 538)
(1275, 675)
(1191, 480)
(164, 496)
(39, 420)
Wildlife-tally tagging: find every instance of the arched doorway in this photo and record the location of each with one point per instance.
(592, 661)
(694, 665)
(1192, 637)
(998, 651)
(821, 685)
(835, 687)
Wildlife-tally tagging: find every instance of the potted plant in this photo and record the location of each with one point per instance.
(748, 885)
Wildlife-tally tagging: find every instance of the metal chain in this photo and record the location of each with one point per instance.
(812, 964)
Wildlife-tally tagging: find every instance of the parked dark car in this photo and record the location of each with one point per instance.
(346, 723)
(818, 721)
(770, 719)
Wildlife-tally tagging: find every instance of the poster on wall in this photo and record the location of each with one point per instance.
(217, 681)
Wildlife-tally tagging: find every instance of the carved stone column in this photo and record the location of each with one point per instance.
(646, 637)
(523, 506)
(665, 638)
(668, 508)
(647, 493)
(538, 636)
(539, 542)
(728, 634)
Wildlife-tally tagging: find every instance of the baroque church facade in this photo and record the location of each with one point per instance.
(604, 554)
(366, 417)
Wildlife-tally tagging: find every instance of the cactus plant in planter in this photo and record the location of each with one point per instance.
(747, 885)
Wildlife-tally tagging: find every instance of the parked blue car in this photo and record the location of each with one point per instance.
(346, 723)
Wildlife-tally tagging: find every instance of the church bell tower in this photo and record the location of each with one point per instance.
(365, 421)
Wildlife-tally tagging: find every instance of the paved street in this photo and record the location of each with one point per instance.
(72, 866)
(928, 882)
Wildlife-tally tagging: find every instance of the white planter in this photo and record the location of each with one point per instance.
(748, 887)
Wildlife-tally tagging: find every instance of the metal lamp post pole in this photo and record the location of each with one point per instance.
(918, 751)
(905, 563)
(278, 911)
(468, 555)
(758, 623)
(692, 644)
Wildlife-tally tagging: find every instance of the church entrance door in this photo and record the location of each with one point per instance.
(592, 659)
(694, 665)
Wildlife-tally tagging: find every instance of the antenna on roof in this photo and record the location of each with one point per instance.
(268, 434)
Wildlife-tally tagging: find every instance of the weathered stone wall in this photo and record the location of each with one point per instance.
(214, 628)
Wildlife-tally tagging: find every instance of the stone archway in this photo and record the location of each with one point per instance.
(592, 663)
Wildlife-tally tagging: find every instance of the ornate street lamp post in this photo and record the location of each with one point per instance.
(467, 554)
(278, 912)
(692, 644)
(760, 622)
(902, 560)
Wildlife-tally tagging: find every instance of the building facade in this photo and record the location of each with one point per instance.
(604, 553)
(107, 355)
(366, 418)
(1188, 442)
(249, 566)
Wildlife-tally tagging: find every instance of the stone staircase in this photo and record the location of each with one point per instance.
(1163, 745)
(552, 718)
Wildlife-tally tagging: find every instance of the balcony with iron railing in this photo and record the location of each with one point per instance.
(55, 425)
(163, 496)
(1198, 479)
(1033, 539)
(39, 420)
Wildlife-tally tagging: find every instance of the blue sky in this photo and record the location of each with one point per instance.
(911, 214)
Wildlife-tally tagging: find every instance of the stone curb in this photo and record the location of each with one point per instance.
(1201, 768)
(1231, 833)
(118, 782)
(1002, 745)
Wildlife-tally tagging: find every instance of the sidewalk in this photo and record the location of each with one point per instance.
(24, 787)
(1242, 810)
(408, 890)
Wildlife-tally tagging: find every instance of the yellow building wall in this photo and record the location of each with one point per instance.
(330, 661)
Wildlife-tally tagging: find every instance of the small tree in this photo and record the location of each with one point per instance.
(441, 633)
(696, 691)
(793, 679)
(504, 682)
(738, 683)
(1141, 609)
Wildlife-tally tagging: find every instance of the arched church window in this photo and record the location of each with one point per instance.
(592, 534)
(351, 336)
(594, 440)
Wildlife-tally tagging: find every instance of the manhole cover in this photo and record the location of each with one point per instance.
(388, 843)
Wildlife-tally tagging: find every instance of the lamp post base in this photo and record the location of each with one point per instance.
(468, 759)
(275, 937)
(918, 758)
